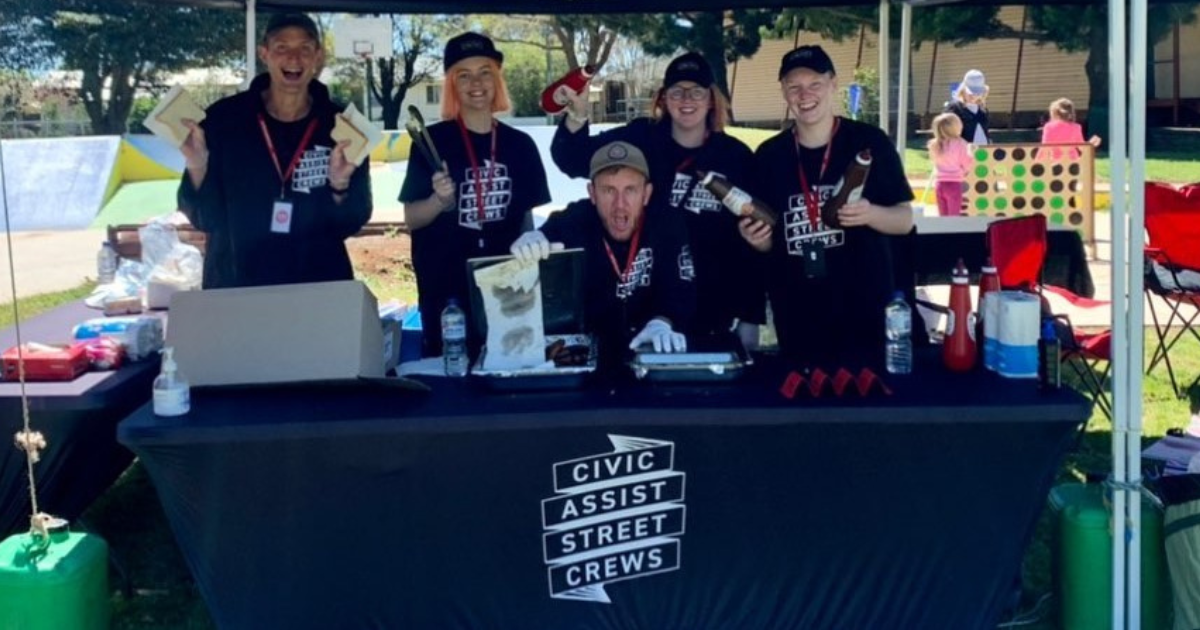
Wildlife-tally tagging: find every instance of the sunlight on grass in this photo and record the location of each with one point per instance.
(33, 305)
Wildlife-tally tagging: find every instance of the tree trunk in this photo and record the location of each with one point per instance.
(710, 32)
(389, 98)
(109, 118)
(1096, 69)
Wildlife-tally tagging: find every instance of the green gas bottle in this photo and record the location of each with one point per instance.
(1082, 560)
(51, 587)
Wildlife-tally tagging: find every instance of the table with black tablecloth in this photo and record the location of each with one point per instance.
(938, 243)
(77, 418)
(619, 506)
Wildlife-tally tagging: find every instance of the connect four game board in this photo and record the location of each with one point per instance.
(1010, 180)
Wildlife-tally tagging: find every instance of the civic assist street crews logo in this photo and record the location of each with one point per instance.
(616, 516)
(312, 171)
(799, 230)
(496, 192)
(687, 268)
(638, 275)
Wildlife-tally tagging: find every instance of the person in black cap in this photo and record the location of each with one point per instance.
(639, 290)
(683, 137)
(264, 180)
(479, 198)
(829, 283)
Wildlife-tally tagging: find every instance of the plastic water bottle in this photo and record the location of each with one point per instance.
(454, 339)
(106, 263)
(898, 322)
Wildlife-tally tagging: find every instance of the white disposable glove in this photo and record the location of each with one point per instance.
(660, 334)
(531, 246)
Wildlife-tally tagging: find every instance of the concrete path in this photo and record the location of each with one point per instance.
(46, 262)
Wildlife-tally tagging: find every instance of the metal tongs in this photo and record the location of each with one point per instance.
(421, 138)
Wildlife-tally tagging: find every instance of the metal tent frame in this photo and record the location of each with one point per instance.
(1127, 135)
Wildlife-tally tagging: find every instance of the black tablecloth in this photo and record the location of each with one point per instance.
(934, 257)
(361, 508)
(78, 419)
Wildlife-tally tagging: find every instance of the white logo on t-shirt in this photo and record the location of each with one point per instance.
(799, 230)
(701, 200)
(687, 267)
(638, 274)
(497, 194)
(312, 171)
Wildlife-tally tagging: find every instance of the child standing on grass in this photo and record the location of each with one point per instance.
(1062, 128)
(951, 162)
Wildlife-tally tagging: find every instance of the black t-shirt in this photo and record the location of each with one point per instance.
(728, 270)
(659, 284)
(836, 320)
(513, 185)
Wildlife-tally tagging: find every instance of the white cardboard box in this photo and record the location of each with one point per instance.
(277, 334)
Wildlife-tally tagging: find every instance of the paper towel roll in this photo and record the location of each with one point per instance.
(1017, 334)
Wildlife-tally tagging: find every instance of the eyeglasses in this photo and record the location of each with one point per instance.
(691, 94)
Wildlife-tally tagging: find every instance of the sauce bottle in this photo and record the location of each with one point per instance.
(958, 349)
(851, 189)
(739, 202)
(552, 101)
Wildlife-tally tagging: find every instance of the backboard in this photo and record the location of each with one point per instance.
(359, 37)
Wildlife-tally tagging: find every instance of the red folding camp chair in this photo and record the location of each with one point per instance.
(1018, 250)
(1173, 268)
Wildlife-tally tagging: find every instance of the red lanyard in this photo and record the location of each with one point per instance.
(623, 276)
(687, 161)
(811, 200)
(462, 127)
(284, 177)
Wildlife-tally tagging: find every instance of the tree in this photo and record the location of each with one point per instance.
(417, 55)
(581, 39)
(119, 47)
(722, 37)
(1076, 29)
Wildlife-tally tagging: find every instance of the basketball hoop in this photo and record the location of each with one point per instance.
(363, 48)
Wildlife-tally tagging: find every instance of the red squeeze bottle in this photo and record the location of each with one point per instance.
(958, 349)
(575, 79)
(989, 281)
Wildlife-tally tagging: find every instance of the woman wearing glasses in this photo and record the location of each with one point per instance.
(683, 136)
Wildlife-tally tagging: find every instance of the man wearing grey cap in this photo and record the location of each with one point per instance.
(830, 274)
(638, 271)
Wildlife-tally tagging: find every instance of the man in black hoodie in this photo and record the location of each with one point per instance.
(264, 179)
(638, 269)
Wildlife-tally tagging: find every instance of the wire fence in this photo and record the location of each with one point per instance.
(44, 128)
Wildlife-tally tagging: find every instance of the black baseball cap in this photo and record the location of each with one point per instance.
(469, 45)
(688, 67)
(812, 57)
(280, 21)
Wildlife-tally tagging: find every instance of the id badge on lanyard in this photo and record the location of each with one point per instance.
(812, 251)
(283, 209)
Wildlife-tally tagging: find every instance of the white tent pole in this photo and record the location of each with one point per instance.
(1137, 203)
(885, 78)
(250, 50)
(1120, 328)
(902, 94)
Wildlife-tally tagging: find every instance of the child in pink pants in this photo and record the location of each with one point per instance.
(951, 162)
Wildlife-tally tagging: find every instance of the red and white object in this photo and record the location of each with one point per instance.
(958, 349)
(554, 101)
(45, 362)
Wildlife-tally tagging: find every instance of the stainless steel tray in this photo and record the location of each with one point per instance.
(542, 377)
(711, 360)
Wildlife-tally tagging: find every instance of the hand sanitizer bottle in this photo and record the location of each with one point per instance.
(172, 396)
